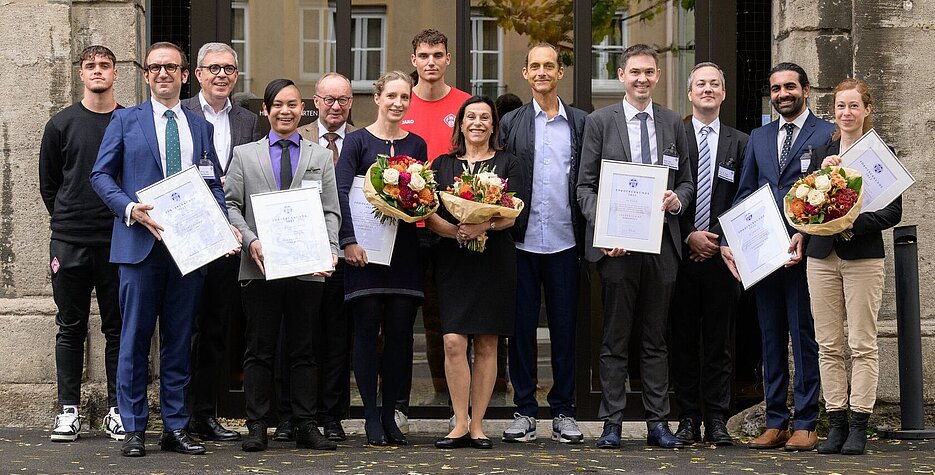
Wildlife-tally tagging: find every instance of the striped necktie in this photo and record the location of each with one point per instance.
(173, 145)
(705, 169)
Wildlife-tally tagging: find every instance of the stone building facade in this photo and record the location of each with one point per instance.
(889, 44)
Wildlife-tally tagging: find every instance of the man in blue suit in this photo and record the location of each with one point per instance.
(141, 146)
(774, 155)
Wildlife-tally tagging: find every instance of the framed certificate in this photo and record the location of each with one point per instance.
(377, 239)
(196, 229)
(629, 206)
(884, 177)
(290, 225)
(757, 235)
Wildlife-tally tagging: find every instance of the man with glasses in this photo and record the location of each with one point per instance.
(141, 146)
(333, 99)
(220, 298)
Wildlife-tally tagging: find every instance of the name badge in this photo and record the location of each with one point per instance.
(725, 174)
(671, 161)
(803, 164)
(312, 184)
(207, 171)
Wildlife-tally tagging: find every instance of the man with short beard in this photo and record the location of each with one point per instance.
(220, 298)
(774, 156)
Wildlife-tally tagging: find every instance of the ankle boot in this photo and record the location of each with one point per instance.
(837, 435)
(856, 441)
(256, 440)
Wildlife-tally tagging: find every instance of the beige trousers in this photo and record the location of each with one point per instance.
(851, 289)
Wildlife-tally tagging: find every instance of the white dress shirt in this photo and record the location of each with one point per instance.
(339, 142)
(222, 128)
(633, 132)
(713, 136)
(799, 123)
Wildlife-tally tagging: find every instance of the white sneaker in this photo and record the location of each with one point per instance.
(67, 426)
(523, 429)
(566, 430)
(402, 422)
(113, 425)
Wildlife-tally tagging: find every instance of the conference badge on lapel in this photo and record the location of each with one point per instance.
(205, 168)
(725, 171)
(670, 157)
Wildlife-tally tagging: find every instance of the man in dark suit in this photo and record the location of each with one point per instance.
(143, 145)
(220, 298)
(775, 156)
(545, 135)
(637, 287)
(702, 316)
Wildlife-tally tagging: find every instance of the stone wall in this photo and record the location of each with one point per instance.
(878, 41)
(39, 42)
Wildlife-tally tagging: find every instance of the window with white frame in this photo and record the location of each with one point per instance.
(604, 55)
(368, 52)
(240, 38)
(316, 33)
(486, 60)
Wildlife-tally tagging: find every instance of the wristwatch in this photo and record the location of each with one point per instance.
(492, 226)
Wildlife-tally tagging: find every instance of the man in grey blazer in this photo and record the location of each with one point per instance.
(281, 161)
(217, 74)
(637, 287)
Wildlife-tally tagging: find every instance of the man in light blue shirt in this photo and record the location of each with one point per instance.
(546, 136)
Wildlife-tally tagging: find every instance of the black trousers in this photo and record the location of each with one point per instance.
(293, 305)
(76, 270)
(702, 330)
(220, 305)
(333, 352)
(636, 290)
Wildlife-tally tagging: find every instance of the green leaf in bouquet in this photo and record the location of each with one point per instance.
(817, 219)
(855, 183)
(842, 173)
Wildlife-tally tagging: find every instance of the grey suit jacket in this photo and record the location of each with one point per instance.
(606, 138)
(251, 172)
(244, 126)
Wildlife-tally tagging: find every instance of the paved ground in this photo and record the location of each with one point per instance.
(29, 451)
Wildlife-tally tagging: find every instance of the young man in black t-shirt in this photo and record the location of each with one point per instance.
(80, 245)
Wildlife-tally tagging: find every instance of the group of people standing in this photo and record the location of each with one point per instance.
(550, 153)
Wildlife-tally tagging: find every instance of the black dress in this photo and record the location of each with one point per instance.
(477, 291)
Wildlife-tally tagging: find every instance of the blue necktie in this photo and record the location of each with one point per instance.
(644, 138)
(173, 145)
(786, 145)
(703, 203)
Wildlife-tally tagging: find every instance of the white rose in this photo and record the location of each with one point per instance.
(489, 179)
(802, 191)
(816, 197)
(416, 182)
(414, 168)
(391, 176)
(822, 183)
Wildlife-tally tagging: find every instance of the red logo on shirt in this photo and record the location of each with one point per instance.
(450, 120)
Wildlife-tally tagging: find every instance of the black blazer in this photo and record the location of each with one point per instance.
(518, 135)
(730, 148)
(868, 227)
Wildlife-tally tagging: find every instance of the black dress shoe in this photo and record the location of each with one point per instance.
(309, 437)
(134, 444)
(179, 441)
(715, 432)
(210, 429)
(256, 440)
(393, 435)
(334, 431)
(689, 431)
(481, 443)
(375, 435)
(455, 443)
(661, 436)
(285, 432)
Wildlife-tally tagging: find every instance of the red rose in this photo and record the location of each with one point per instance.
(467, 195)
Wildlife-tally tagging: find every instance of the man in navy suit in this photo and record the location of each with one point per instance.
(774, 156)
(141, 146)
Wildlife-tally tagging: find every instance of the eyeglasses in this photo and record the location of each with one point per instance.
(329, 100)
(154, 67)
(216, 69)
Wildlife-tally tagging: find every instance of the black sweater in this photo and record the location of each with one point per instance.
(69, 148)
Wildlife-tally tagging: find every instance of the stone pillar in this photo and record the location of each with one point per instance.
(39, 43)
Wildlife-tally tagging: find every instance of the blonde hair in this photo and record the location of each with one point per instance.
(388, 76)
(864, 91)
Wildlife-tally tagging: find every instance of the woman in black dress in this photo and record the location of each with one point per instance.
(373, 291)
(477, 291)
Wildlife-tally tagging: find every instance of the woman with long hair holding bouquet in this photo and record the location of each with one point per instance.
(375, 292)
(477, 290)
(845, 281)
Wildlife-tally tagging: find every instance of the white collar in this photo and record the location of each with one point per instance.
(537, 109)
(322, 130)
(799, 121)
(208, 108)
(160, 110)
(715, 125)
(630, 112)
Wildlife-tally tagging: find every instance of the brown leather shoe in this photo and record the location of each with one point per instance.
(770, 439)
(802, 440)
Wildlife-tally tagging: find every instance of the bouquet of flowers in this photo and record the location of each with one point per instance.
(400, 187)
(477, 197)
(825, 202)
